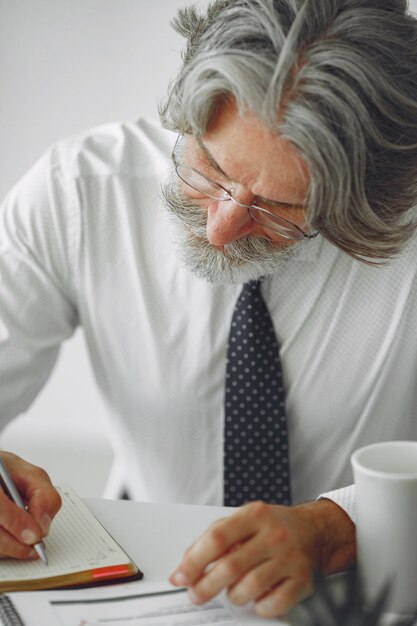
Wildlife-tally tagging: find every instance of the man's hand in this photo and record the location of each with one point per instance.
(19, 529)
(268, 554)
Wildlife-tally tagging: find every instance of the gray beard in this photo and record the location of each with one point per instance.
(248, 258)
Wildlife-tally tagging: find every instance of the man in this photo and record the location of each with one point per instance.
(295, 164)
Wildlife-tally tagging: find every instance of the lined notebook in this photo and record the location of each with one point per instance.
(79, 551)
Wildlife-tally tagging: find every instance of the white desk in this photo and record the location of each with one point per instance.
(156, 535)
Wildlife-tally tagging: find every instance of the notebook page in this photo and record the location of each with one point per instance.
(76, 542)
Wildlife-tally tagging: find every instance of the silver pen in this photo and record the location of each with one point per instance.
(10, 490)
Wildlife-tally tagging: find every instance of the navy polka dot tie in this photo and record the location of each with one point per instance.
(256, 463)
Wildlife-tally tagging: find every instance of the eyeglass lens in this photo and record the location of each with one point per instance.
(211, 189)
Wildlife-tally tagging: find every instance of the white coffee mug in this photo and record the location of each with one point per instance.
(386, 524)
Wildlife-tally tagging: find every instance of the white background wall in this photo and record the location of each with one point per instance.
(66, 65)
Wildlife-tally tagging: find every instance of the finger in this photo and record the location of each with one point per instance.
(219, 539)
(34, 484)
(210, 547)
(227, 571)
(11, 548)
(280, 562)
(255, 583)
(283, 597)
(249, 570)
(43, 504)
(18, 522)
(243, 558)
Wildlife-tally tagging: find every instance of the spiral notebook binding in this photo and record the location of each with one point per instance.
(8, 614)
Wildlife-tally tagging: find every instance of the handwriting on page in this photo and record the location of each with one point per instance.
(75, 542)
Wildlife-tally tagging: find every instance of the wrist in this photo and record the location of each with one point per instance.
(333, 540)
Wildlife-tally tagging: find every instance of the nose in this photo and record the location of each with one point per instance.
(227, 221)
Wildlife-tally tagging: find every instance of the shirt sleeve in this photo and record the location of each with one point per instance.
(345, 498)
(39, 229)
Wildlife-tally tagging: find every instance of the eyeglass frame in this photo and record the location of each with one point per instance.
(228, 195)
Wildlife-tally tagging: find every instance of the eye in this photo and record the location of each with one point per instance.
(282, 209)
(191, 192)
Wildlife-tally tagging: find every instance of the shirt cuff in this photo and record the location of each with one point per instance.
(345, 498)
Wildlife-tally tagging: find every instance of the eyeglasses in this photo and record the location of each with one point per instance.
(212, 189)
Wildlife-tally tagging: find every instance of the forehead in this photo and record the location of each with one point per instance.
(255, 156)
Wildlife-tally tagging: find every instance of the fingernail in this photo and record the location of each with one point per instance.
(238, 597)
(264, 606)
(178, 578)
(45, 523)
(193, 596)
(28, 537)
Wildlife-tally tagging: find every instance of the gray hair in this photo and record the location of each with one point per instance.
(337, 78)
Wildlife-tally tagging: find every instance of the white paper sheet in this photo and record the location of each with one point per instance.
(132, 604)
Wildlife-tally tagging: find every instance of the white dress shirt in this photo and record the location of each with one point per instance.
(85, 240)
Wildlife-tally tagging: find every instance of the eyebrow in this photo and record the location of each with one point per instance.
(216, 166)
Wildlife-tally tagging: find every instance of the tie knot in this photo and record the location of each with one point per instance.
(252, 286)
